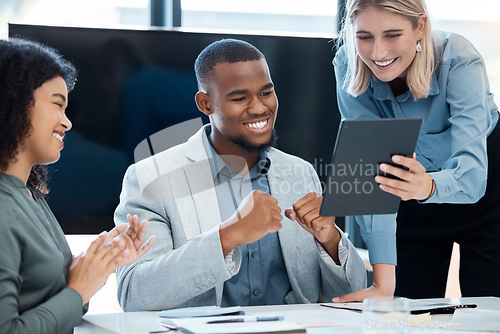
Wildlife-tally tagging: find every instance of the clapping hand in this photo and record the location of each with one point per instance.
(136, 235)
(122, 246)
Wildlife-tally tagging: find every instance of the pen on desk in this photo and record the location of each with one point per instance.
(169, 326)
(248, 319)
(451, 309)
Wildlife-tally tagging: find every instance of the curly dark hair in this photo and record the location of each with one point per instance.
(25, 66)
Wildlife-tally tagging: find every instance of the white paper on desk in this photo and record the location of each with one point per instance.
(200, 326)
(476, 320)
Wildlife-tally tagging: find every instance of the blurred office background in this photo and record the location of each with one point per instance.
(477, 20)
(311, 20)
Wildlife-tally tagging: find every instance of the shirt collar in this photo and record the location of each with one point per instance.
(218, 165)
(382, 91)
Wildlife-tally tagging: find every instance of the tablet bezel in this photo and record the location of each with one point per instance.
(360, 147)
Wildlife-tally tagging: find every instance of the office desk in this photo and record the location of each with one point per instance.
(340, 321)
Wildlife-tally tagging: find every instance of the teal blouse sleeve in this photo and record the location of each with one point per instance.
(466, 101)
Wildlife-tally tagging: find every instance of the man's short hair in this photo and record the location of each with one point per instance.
(223, 51)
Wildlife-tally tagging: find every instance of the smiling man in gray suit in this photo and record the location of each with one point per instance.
(237, 221)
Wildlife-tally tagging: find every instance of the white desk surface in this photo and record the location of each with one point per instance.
(340, 321)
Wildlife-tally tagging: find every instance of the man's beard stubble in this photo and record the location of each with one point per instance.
(248, 147)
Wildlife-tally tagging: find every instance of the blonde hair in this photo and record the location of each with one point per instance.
(420, 71)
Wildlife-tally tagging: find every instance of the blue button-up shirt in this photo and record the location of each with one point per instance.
(458, 115)
(262, 278)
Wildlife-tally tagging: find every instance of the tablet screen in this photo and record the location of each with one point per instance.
(361, 146)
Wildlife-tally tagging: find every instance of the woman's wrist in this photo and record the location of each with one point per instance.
(433, 189)
(384, 278)
(78, 290)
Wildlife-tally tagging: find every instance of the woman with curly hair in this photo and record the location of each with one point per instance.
(43, 288)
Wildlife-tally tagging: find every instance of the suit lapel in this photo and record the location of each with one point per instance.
(203, 199)
(287, 232)
(201, 185)
(202, 190)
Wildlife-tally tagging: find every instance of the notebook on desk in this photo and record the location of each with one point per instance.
(361, 146)
(201, 311)
(215, 325)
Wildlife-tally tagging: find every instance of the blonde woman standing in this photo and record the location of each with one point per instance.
(392, 65)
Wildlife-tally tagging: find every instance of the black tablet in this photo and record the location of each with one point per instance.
(361, 146)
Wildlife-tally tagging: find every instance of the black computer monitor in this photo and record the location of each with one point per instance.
(133, 83)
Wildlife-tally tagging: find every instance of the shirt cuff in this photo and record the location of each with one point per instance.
(229, 262)
(233, 261)
(343, 250)
(447, 191)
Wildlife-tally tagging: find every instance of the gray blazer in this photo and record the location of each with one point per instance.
(175, 192)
